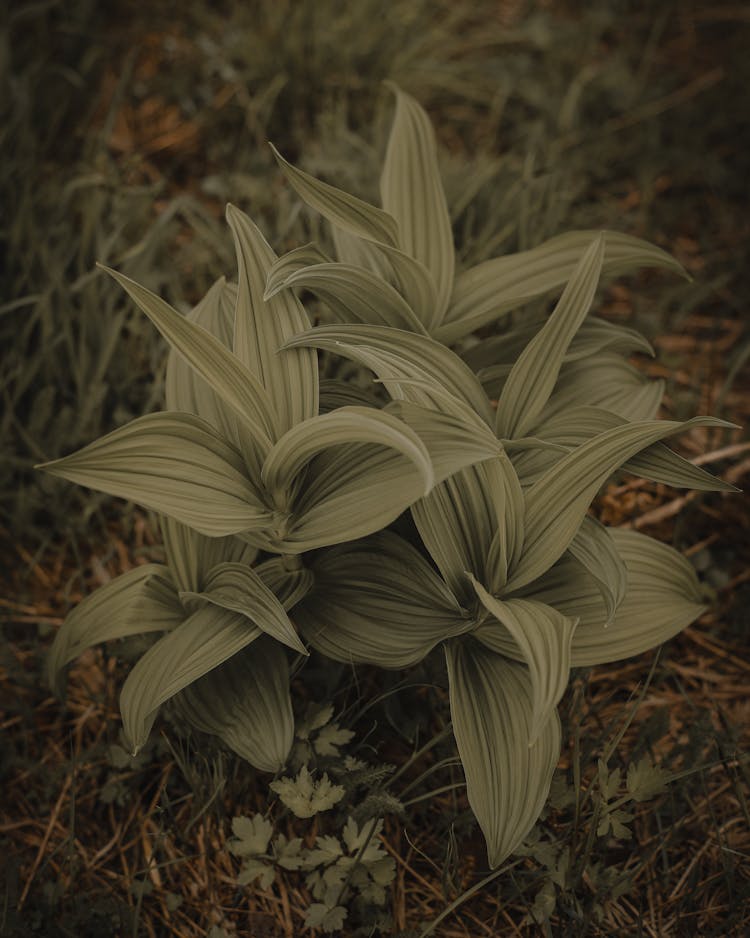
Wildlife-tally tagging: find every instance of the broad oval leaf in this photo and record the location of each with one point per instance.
(663, 597)
(175, 464)
(203, 641)
(535, 372)
(412, 192)
(377, 601)
(246, 703)
(493, 287)
(117, 609)
(507, 779)
(341, 209)
(262, 326)
(192, 556)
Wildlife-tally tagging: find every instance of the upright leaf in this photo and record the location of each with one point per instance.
(412, 193)
(594, 548)
(192, 556)
(262, 326)
(534, 374)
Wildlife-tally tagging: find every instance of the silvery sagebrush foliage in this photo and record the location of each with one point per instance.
(278, 489)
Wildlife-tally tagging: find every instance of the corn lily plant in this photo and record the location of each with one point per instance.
(279, 490)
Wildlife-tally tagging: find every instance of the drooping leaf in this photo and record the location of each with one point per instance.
(353, 294)
(175, 464)
(594, 548)
(484, 292)
(535, 372)
(246, 702)
(343, 426)
(543, 636)
(114, 610)
(335, 393)
(262, 325)
(663, 597)
(202, 642)
(378, 601)
(238, 587)
(412, 193)
(407, 349)
(235, 384)
(507, 780)
(341, 209)
(557, 502)
(287, 579)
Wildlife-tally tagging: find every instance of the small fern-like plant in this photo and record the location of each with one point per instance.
(279, 489)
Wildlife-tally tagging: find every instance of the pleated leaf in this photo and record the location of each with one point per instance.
(184, 388)
(507, 778)
(543, 636)
(662, 598)
(343, 426)
(406, 349)
(460, 519)
(262, 326)
(336, 392)
(238, 587)
(246, 703)
(657, 462)
(535, 372)
(484, 292)
(175, 464)
(341, 209)
(353, 294)
(288, 581)
(557, 502)
(235, 384)
(192, 556)
(412, 192)
(377, 601)
(594, 548)
(114, 610)
(203, 641)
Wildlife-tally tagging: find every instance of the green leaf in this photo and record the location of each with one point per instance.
(114, 610)
(184, 388)
(412, 193)
(543, 636)
(557, 502)
(305, 796)
(507, 779)
(346, 425)
(378, 601)
(175, 464)
(594, 548)
(353, 294)
(662, 598)
(329, 918)
(202, 642)
(484, 292)
(336, 392)
(252, 870)
(330, 739)
(246, 702)
(459, 522)
(535, 372)
(262, 326)
(235, 384)
(341, 209)
(571, 428)
(646, 780)
(238, 587)
(415, 354)
(192, 556)
(287, 581)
